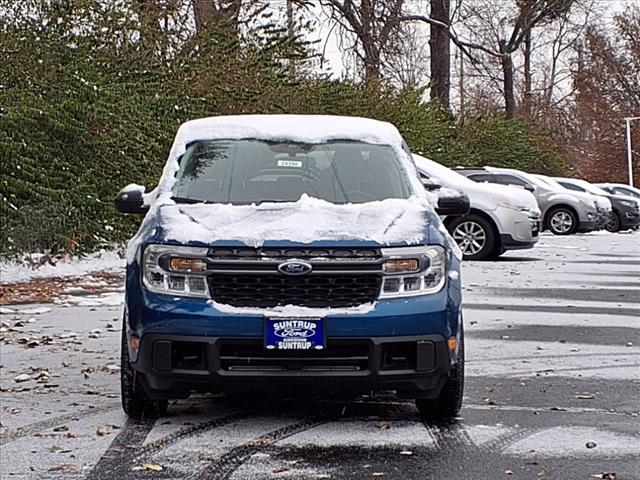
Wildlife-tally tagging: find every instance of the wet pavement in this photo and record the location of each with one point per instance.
(553, 391)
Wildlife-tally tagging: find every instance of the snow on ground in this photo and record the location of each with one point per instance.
(12, 272)
(550, 393)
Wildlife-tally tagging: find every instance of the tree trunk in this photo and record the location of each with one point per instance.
(527, 73)
(369, 47)
(203, 10)
(508, 80)
(222, 12)
(440, 52)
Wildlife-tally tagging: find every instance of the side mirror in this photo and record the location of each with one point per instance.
(530, 188)
(131, 200)
(458, 205)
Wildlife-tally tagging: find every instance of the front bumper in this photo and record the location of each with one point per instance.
(518, 229)
(510, 243)
(587, 226)
(173, 366)
(629, 218)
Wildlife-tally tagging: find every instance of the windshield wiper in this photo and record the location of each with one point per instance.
(187, 200)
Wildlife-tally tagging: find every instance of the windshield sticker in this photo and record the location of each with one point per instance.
(290, 163)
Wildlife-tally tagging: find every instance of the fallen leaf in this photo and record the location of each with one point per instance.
(585, 397)
(384, 425)
(151, 467)
(22, 378)
(591, 445)
(281, 469)
(508, 472)
(62, 467)
(377, 474)
(101, 432)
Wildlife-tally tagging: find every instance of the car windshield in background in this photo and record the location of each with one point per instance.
(242, 172)
(591, 188)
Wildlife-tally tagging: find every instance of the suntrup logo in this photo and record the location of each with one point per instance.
(294, 329)
(294, 267)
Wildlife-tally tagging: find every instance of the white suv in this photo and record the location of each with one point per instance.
(501, 217)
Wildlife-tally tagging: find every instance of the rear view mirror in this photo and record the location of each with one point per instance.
(131, 200)
(458, 205)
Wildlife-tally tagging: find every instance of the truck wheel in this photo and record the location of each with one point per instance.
(475, 237)
(135, 402)
(562, 221)
(448, 403)
(613, 224)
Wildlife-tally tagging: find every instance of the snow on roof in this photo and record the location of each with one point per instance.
(302, 128)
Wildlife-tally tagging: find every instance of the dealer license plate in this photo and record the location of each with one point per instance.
(294, 333)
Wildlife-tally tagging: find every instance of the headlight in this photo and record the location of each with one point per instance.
(175, 270)
(628, 203)
(413, 271)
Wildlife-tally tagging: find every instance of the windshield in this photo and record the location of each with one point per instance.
(242, 172)
(440, 173)
(590, 187)
(549, 182)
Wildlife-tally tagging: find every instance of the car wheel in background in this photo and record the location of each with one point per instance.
(475, 237)
(562, 221)
(613, 224)
(135, 402)
(448, 403)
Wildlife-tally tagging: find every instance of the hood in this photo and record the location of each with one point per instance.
(580, 196)
(614, 197)
(390, 222)
(505, 194)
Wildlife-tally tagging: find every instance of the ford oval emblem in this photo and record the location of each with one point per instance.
(294, 267)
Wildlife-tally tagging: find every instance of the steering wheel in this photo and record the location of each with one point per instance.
(363, 196)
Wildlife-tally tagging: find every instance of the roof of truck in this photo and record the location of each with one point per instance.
(297, 128)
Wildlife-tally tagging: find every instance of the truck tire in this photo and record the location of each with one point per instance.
(475, 236)
(135, 402)
(448, 403)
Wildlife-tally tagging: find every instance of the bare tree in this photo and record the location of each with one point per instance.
(608, 89)
(498, 34)
(406, 60)
(372, 23)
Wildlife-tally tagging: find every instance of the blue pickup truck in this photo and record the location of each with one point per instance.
(291, 253)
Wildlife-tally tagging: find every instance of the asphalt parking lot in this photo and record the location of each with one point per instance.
(553, 391)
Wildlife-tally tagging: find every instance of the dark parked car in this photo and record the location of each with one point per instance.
(626, 209)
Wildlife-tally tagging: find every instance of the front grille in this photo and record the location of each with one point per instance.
(265, 290)
(268, 253)
(250, 355)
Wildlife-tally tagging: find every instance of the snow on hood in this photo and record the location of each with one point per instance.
(309, 219)
(478, 193)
